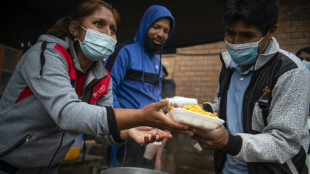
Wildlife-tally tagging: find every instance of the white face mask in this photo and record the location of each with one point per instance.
(97, 46)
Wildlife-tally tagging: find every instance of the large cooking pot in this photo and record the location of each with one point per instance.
(130, 170)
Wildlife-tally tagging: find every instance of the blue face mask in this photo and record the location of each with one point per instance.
(97, 46)
(307, 64)
(243, 54)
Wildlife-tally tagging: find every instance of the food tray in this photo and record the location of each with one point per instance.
(194, 119)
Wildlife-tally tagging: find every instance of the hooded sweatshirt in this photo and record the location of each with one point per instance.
(136, 77)
(41, 117)
(136, 72)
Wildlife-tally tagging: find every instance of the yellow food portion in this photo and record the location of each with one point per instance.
(73, 153)
(194, 108)
(170, 108)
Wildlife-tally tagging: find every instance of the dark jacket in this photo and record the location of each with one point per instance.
(274, 115)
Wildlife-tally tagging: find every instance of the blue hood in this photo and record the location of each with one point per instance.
(152, 14)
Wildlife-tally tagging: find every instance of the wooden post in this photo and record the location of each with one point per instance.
(19, 55)
(2, 53)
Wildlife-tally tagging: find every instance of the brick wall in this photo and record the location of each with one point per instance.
(294, 25)
(195, 70)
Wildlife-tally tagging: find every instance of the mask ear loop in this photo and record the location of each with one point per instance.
(82, 27)
(266, 42)
(264, 46)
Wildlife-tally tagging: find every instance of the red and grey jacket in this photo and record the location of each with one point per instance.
(99, 87)
(47, 103)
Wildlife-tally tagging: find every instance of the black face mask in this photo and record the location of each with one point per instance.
(150, 45)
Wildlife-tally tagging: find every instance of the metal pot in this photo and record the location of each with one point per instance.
(130, 170)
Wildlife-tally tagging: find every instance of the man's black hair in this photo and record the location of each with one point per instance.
(262, 14)
(306, 49)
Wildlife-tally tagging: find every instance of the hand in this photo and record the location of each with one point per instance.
(144, 135)
(154, 116)
(216, 139)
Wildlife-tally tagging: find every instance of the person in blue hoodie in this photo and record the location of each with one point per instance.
(136, 72)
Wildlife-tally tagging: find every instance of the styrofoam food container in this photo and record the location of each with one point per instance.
(181, 101)
(194, 119)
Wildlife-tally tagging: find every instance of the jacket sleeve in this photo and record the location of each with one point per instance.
(286, 132)
(59, 99)
(118, 73)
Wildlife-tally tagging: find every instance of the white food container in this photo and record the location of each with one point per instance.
(194, 119)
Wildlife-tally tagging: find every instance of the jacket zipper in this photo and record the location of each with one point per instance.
(22, 141)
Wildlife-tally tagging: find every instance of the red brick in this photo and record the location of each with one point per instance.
(180, 63)
(307, 34)
(208, 46)
(220, 45)
(297, 35)
(201, 73)
(296, 23)
(195, 78)
(201, 62)
(189, 73)
(289, 29)
(287, 42)
(185, 68)
(204, 51)
(282, 36)
(198, 58)
(212, 74)
(285, 24)
(218, 51)
(206, 78)
(303, 41)
(307, 22)
(280, 30)
(207, 68)
(188, 83)
(214, 62)
(304, 28)
(178, 74)
(199, 84)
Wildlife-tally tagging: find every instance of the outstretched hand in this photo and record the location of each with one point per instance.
(144, 135)
(155, 117)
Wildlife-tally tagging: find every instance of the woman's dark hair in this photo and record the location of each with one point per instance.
(262, 14)
(84, 9)
(306, 49)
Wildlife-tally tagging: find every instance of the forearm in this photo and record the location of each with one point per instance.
(128, 118)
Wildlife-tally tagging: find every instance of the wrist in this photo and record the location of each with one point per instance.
(124, 135)
(141, 118)
(234, 144)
